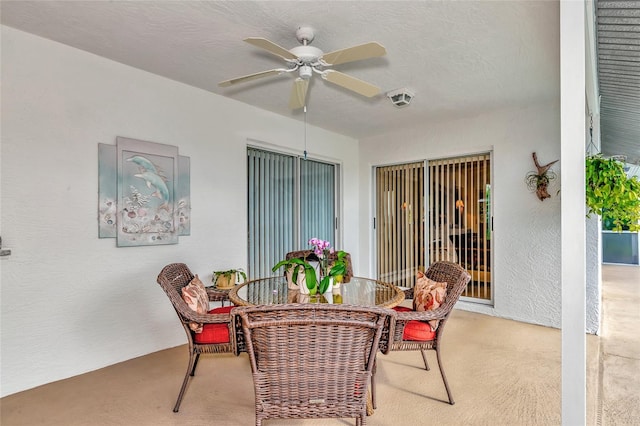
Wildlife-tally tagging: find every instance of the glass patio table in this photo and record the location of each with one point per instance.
(358, 291)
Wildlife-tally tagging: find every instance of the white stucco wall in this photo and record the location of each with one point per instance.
(71, 302)
(526, 239)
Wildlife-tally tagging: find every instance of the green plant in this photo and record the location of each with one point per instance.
(611, 194)
(229, 274)
(339, 267)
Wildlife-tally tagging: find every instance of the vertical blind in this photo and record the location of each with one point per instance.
(277, 185)
(317, 202)
(400, 222)
(460, 217)
(272, 181)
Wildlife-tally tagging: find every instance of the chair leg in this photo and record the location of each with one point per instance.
(373, 383)
(424, 358)
(190, 368)
(444, 377)
(195, 364)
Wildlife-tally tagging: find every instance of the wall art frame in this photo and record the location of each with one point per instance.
(144, 193)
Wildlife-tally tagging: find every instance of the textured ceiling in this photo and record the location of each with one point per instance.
(459, 58)
(618, 33)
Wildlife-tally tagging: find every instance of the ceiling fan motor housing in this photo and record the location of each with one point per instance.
(307, 54)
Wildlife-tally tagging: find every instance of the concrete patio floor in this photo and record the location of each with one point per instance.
(619, 355)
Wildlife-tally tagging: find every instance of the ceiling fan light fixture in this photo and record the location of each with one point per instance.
(305, 72)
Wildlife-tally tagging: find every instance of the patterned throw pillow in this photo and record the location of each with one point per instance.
(428, 295)
(195, 296)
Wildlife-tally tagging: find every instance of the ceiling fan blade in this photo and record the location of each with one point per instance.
(351, 83)
(355, 53)
(298, 93)
(271, 47)
(250, 77)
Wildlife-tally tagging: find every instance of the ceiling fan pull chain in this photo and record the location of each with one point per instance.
(305, 132)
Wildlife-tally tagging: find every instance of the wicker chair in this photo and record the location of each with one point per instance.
(172, 278)
(309, 255)
(456, 278)
(311, 360)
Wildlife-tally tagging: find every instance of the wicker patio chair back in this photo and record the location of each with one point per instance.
(457, 279)
(309, 255)
(172, 278)
(312, 360)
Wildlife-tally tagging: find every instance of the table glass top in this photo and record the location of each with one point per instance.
(358, 291)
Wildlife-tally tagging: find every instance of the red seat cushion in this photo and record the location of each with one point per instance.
(223, 310)
(416, 330)
(214, 333)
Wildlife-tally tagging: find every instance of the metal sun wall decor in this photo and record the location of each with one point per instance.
(144, 193)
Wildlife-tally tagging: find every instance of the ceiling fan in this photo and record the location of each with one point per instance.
(307, 59)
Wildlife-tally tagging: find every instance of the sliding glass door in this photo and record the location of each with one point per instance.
(290, 200)
(446, 218)
(460, 218)
(399, 222)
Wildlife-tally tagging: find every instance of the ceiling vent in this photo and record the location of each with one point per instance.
(400, 97)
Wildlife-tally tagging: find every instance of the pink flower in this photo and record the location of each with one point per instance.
(321, 248)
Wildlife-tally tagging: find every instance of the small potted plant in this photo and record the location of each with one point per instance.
(228, 279)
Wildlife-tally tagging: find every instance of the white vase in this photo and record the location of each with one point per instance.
(328, 294)
(303, 298)
(303, 288)
(301, 281)
(330, 286)
(302, 284)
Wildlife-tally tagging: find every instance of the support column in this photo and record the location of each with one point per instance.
(572, 142)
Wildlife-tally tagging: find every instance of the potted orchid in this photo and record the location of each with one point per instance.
(332, 267)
